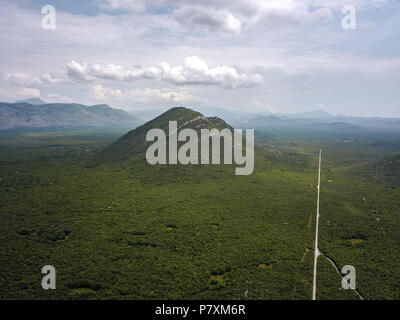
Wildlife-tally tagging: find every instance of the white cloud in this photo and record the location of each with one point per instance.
(26, 80)
(229, 17)
(146, 95)
(46, 78)
(280, 13)
(27, 93)
(78, 71)
(338, 4)
(136, 6)
(193, 71)
(262, 106)
(198, 18)
(117, 72)
(15, 93)
(57, 98)
(196, 71)
(345, 70)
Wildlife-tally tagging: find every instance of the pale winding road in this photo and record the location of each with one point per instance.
(316, 252)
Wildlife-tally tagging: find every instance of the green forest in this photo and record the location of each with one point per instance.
(128, 230)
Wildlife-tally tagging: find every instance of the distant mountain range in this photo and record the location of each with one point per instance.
(316, 114)
(35, 113)
(311, 120)
(35, 101)
(318, 120)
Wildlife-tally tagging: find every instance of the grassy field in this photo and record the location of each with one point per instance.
(132, 231)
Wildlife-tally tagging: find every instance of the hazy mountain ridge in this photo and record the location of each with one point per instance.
(35, 101)
(69, 115)
(35, 113)
(315, 114)
(320, 120)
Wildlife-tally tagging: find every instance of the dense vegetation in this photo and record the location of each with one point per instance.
(127, 230)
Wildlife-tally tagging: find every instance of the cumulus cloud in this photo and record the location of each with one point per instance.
(17, 93)
(193, 71)
(26, 80)
(280, 13)
(27, 92)
(78, 71)
(146, 95)
(196, 17)
(196, 71)
(229, 17)
(304, 64)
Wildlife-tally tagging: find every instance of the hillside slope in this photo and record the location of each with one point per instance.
(134, 142)
(69, 115)
(129, 151)
(387, 171)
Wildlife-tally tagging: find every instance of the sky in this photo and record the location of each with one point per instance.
(258, 56)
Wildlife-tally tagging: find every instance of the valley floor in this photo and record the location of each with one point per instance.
(125, 232)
